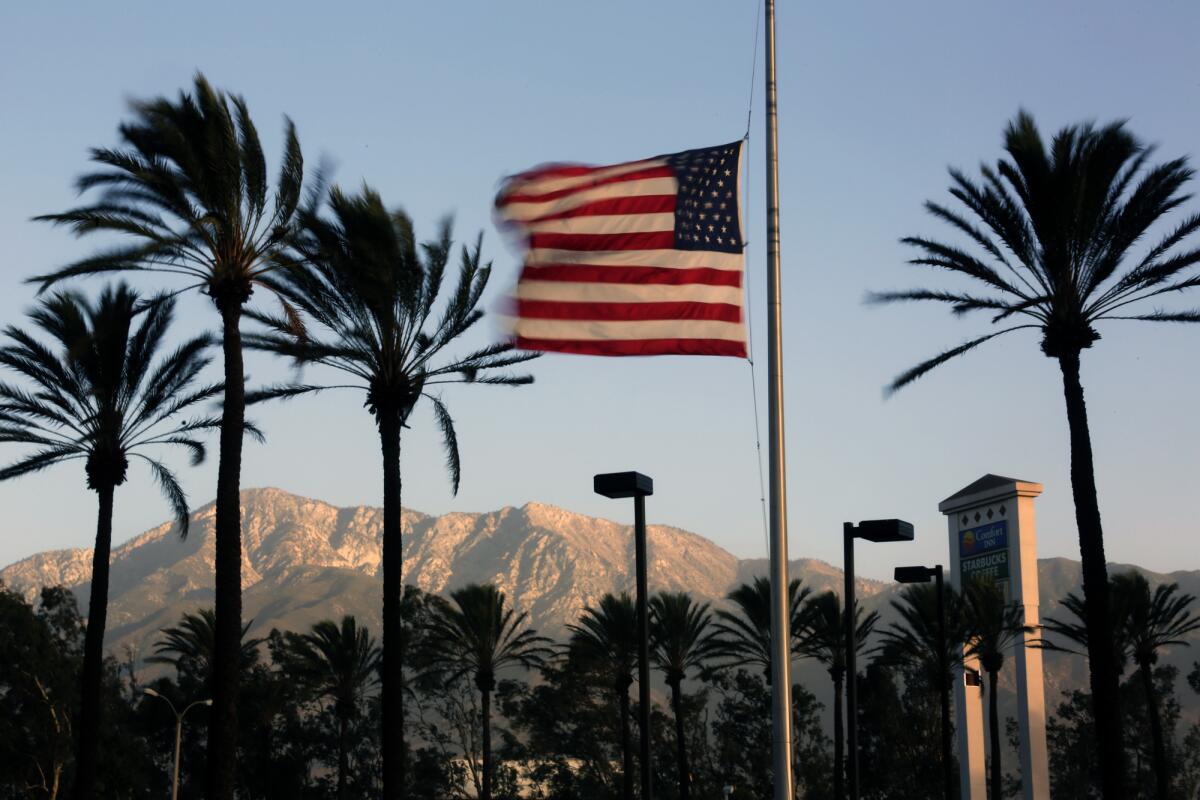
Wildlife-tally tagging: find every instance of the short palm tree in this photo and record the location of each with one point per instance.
(992, 626)
(822, 637)
(190, 647)
(1052, 233)
(912, 640)
(477, 635)
(338, 662)
(605, 640)
(188, 188)
(361, 299)
(1149, 622)
(742, 637)
(681, 641)
(100, 393)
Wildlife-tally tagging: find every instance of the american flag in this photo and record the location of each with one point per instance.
(641, 258)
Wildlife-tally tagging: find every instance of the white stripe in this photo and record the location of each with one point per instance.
(586, 330)
(671, 259)
(607, 223)
(558, 183)
(524, 212)
(569, 292)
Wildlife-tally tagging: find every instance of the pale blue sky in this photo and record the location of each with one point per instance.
(432, 103)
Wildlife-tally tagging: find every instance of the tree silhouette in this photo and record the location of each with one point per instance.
(361, 299)
(188, 186)
(101, 394)
(1055, 250)
(742, 637)
(477, 635)
(823, 637)
(680, 641)
(605, 640)
(191, 647)
(339, 662)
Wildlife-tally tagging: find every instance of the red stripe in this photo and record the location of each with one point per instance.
(638, 347)
(646, 240)
(562, 170)
(627, 312)
(648, 204)
(635, 175)
(659, 276)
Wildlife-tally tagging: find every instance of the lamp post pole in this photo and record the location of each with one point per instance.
(637, 486)
(178, 733)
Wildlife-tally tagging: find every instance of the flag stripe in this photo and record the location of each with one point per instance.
(608, 223)
(536, 193)
(641, 329)
(523, 212)
(591, 242)
(645, 276)
(628, 312)
(647, 204)
(637, 347)
(675, 259)
(578, 292)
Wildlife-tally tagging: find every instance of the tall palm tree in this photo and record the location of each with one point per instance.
(190, 647)
(605, 640)
(1052, 233)
(912, 640)
(742, 637)
(362, 299)
(992, 626)
(188, 187)
(681, 640)
(1149, 622)
(100, 393)
(339, 662)
(477, 635)
(823, 637)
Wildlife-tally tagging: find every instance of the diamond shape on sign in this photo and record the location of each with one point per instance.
(977, 516)
(990, 514)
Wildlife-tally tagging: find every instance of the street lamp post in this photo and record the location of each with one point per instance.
(178, 732)
(922, 575)
(874, 530)
(636, 485)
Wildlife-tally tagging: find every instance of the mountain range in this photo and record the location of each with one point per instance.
(305, 560)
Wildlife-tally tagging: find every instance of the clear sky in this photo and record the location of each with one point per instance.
(433, 103)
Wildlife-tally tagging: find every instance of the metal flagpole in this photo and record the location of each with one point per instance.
(781, 685)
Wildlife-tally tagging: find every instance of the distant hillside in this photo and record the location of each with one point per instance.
(305, 560)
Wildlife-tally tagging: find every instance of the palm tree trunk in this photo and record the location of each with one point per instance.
(343, 758)
(681, 762)
(839, 741)
(485, 698)
(93, 653)
(1156, 733)
(626, 743)
(994, 737)
(220, 775)
(1105, 683)
(391, 693)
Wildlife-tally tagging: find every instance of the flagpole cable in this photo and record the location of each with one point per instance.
(758, 457)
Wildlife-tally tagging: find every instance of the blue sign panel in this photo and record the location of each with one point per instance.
(983, 539)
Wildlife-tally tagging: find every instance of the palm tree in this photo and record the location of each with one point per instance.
(361, 299)
(743, 637)
(188, 186)
(823, 637)
(190, 647)
(992, 626)
(605, 639)
(100, 394)
(339, 662)
(912, 641)
(477, 635)
(681, 639)
(1148, 623)
(1055, 249)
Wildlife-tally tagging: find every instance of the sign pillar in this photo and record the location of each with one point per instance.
(993, 536)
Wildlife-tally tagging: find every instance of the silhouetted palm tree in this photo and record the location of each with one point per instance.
(336, 662)
(822, 637)
(743, 637)
(100, 394)
(992, 626)
(1053, 231)
(1148, 623)
(681, 640)
(190, 647)
(605, 640)
(362, 299)
(188, 184)
(477, 635)
(912, 641)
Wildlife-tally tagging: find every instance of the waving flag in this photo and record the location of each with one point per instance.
(642, 258)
